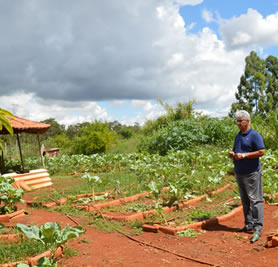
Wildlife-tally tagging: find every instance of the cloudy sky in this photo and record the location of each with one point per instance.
(107, 60)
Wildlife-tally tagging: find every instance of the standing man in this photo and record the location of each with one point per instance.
(248, 148)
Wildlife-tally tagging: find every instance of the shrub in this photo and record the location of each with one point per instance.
(95, 138)
(220, 131)
(125, 132)
(178, 135)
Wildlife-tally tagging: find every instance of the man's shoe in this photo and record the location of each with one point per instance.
(256, 235)
(246, 228)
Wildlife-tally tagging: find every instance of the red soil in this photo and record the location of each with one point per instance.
(219, 245)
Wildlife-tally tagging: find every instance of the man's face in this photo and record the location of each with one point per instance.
(242, 124)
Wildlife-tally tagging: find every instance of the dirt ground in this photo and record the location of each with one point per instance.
(219, 245)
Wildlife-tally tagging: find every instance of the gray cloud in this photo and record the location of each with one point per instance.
(72, 53)
(79, 50)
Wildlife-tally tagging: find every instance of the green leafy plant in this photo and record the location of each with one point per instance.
(52, 236)
(188, 232)
(155, 188)
(9, 196)
(178, 189)
(177, 135)
(93, 181)
(4, 122)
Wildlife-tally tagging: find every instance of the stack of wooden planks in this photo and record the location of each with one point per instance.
(32, 180)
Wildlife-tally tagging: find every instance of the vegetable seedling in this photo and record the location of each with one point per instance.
(93, 181)
(52, 236)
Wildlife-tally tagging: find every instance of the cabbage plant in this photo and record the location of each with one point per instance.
(52, 236)
(9, 196)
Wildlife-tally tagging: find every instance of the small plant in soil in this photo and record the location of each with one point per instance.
(200, 215)
(137, 206)
(9, 196)
(87, 200)
(69, 252)
(51, 236)
(188, 232)
(92, 181)
(155, 189)
(55, 194)
(178, 189)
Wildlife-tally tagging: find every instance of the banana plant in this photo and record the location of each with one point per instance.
(52, 236)
(4, 122)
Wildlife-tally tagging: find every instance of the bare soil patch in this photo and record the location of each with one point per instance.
(219, 244)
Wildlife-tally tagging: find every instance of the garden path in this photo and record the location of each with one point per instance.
(219, 245)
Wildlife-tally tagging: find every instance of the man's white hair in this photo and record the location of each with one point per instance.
(243, 114)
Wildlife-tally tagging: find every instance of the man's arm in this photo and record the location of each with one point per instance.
(249, 155)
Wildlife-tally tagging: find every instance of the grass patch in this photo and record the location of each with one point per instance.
(130, 228)
(8, 230)
(188, 232)
(136, 206)
(18, 251)
(120, 183)
(70, 252)
(126, 146)
(70, 210)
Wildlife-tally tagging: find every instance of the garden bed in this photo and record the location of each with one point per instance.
(30, 257)
(125, 212)
(12, 216)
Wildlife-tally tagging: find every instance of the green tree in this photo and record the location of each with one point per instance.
(75, 129)
(95, 138)
(55, 128)
(250, 93)
(272, 83)
(114, 126)
(257, 91)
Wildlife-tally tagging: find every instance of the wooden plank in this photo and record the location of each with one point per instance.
(37, 186)
(33, 180)
(38, 181)
(24, 186)
(33, 177)
(13, 174)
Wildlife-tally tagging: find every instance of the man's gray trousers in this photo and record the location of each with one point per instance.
(251, 194)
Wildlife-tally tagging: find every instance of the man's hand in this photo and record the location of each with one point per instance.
(239, 156)
(231, 154)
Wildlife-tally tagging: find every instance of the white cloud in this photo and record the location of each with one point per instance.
(207, 16)
(26, 105)
(250, 30)
(151, 111)
(188, 2)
